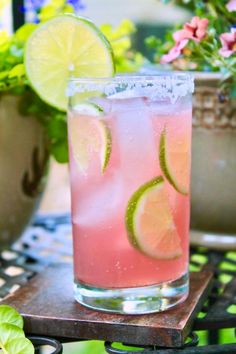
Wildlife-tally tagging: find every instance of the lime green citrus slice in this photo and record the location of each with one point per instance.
(174, 157)
(150, 224)
(89, 135)
(89, 108)
(62, 47)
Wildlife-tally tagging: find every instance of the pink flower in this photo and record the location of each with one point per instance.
(195, 30)
(231, 6)
(228, 41)
(174, 52)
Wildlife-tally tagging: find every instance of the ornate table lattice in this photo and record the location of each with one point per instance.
(48, 241)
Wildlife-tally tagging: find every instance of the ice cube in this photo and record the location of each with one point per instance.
(102, 204)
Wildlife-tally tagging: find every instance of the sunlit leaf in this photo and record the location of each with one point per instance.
(8, 332)
(47, 12)
(17, 71)
(19, 346)
(4, 74)
(25, 31)
(4, 40)
(10, 315)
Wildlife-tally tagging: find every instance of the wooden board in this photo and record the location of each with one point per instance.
(49, 308)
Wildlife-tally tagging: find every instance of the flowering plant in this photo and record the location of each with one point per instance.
(205, 43)
(12, 71)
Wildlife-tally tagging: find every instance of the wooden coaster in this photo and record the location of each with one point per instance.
(48, 307)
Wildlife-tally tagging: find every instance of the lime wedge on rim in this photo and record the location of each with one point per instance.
(150, 224)
(174, 157)
(62, 47)
(89, 135)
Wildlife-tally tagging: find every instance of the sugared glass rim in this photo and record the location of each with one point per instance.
(161, 84)
(185, 76)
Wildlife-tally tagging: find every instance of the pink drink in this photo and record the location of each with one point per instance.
(105, 259)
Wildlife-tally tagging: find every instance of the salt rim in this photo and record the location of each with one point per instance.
(172, 85)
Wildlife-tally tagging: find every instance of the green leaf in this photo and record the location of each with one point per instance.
(106, 28)
(47, 12)
(57, 129)
(152, 42)
(25, 31)
(53, 8)
(10, 315)
(126, 60)
(17, 71)
(125, 28)
(4, 40)
(4, 74)
(121, 46)
(94, 347)
(16, 52)
(12, 337)
(123, 347)
(68, 9)
(19, 346)
(57, 3)
(8, 332)
(60, 151)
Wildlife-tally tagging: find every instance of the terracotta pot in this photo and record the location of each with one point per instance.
(213, 194)
(23, 161)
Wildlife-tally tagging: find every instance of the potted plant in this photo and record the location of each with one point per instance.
(206, 44)
(30, 130)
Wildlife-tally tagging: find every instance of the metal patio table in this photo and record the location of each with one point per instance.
(47, 242)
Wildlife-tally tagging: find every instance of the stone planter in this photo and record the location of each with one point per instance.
(23, 160)
(213, 193)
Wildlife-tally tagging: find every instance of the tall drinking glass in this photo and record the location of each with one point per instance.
(130, 152)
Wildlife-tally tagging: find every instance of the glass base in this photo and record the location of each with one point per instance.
(134, 301)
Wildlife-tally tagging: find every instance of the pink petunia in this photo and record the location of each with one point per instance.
(174, 52)
(228, 41)
(196, 30)
(231, 6)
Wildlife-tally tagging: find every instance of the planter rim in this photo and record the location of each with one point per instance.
(200, 75)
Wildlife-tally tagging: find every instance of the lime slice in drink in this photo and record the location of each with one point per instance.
(89, 135)
(174, 157)
(89, 108)
(62, 47)
(150, 224)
